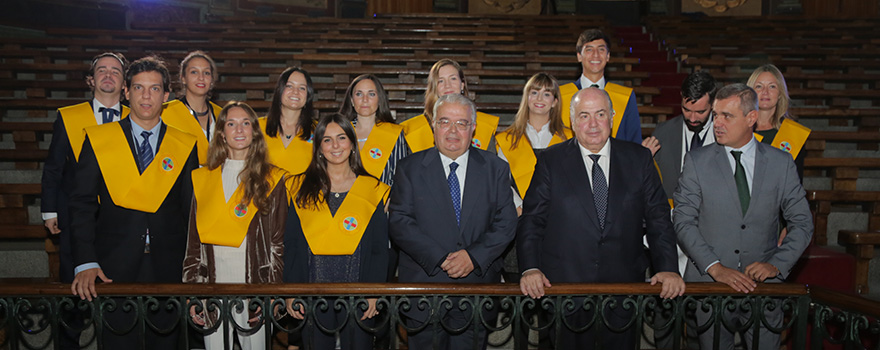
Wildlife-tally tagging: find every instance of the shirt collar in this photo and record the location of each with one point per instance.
(605, 151)
(749, 147)
(545, 127)
(97, 105)
(585, 83)
(461, 160)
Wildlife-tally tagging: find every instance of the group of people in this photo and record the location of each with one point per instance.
(188, 191)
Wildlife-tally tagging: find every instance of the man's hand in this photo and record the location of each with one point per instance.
(84, 283)
(532, 283)
(673, 285)
(297, 314)
(651, 143)
(458, 264)
(760, 271)
(733, 278)
(52, 225)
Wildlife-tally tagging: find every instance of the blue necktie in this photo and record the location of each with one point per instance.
(600, 191)
(455, 191)
(145, 151)
(107, 114)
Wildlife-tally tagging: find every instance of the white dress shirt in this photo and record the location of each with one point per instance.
(462, 161)
(585, 83)
(604, 161)
(686, 135)
(99, 117)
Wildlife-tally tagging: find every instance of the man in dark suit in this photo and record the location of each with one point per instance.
(593, 53)
(104, 79)
(131, 202)
(675, 137)
(585, 226)
(727, 213)
(452, 216)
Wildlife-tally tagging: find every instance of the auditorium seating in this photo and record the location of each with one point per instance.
(832, 68)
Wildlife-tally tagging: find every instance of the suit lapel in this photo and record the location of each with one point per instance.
(758, 176)
(676, 145)
(616, 188)
(436, 183)
(578, 181)
(474, 182)
(126, 130)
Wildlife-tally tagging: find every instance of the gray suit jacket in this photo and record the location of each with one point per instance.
(668, 158)
(422, 220)
(708, 218)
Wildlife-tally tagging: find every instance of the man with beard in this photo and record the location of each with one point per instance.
(677, 136)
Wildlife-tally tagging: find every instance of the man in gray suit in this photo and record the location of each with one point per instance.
(727, 212)
(452, 216)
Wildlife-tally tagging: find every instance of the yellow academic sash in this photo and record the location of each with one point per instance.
(485, 129)
(340, 234)
(129, 189)
(176, 114)
(619, 98)
(76, 118)
(220, 222)
(418, 133)
(295, 158)
(522, 159)
(377, 149)
(791, 137)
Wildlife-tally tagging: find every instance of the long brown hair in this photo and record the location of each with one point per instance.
(383, 113)
(315, 183)
(431, 91)
(307, 116)
(255, 175)
(537, 82)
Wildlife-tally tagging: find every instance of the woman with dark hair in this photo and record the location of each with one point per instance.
(538, 125)
(337, 231)
(237, 219)
(289, 125)
(775, 124)
(193, 112)
(446, 77)
(380, 140)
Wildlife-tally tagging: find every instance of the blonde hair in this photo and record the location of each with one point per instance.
(255, 175)
(538, 81)
(431, 92)
(784, 99)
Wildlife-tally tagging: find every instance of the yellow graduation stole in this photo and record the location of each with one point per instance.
(377, 149)
(340, 234)
(176, 114)
(790, 137)
(619, 98)
(485, 129)
(220, 222)
(76, 119)
(129, 189)
(295, 158)
(418, 133)
(522, 159)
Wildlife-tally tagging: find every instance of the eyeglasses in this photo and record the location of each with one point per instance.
(461, 124)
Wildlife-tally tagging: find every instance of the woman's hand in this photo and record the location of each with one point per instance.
(297, 314)
(371, 309)
(197, 317)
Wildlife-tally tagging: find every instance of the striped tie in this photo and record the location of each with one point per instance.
(145, 151)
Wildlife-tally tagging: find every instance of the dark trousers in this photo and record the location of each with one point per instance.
(565, 337)
(664, 329)
(468, 338)
(352, 336)
(738, 318)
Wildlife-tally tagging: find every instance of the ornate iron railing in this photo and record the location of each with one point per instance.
(33, 316)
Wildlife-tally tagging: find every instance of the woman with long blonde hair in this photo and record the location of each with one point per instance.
(236, 228)
(446, 77)
(773, 108)
(538, 125)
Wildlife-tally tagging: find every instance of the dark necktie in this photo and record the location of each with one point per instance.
(145, 151)
(594, 86)
(742, 185)
(696, 141)
(455, 191)
(107, 114)
(600, 191)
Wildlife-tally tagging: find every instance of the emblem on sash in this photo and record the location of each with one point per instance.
(350, 223)
(785, 146)
(476, 143)
(240, 210)
(167, 164)
(375, 153)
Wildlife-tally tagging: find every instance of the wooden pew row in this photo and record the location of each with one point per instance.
(797, 66)
(861, 245)
(820, 27)
(822, 201)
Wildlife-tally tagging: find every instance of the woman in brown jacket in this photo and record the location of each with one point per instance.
(236, 228)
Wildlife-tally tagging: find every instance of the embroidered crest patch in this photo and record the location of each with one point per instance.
(240, 210)
(349, 223)
(375, 153)
(476, 143)
(785, 146)
(167, 164)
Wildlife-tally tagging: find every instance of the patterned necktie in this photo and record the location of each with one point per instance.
(107, 114)
(742, 185)
(600, 191)
(455, 191)
(145, 151)
(696, 141)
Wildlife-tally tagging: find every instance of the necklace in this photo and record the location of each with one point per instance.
(288, 136)
(202, 114)
(362, 140)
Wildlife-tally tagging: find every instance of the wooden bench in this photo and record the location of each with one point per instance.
(860, 244)
(821, 202)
